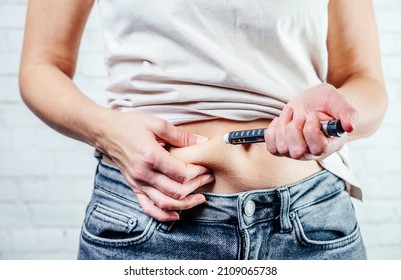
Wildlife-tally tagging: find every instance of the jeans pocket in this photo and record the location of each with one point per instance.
(111, 223)
(328, 224)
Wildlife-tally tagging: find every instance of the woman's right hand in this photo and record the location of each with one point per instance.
(163, 184)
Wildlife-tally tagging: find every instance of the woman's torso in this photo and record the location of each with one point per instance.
(199, 63)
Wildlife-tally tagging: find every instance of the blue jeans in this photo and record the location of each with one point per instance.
(311, 219)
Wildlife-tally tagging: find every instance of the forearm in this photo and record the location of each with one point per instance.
(369, 98)
(163, 184)
(53, 97)
(354, 62)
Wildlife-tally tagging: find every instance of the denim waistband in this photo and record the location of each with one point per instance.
(248, 207)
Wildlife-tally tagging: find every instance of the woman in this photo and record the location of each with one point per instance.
(184, 73)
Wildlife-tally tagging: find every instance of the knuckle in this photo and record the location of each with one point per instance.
(134, 173)
(186, 205)
(183, 137)
(138, 176)
(148, 157)
(177, 195)
(182, 177)
(282, 148)
(186, 139)
(318, 151)
(163, 205)
(162, 125)
(298, 152)
(271, 148)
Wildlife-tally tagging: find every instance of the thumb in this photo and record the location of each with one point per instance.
(349, 120)
(178, 137)
(339, 108)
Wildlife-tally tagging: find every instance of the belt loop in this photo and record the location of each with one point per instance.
(97, 154)
(285, 223)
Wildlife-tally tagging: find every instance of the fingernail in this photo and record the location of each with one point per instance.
(209, 179)
(201, 200)
(201, 139)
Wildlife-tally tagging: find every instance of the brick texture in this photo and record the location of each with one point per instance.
(46, 179)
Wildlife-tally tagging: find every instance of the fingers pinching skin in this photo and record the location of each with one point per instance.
(163, 202)
(155, 166)
(176, 136)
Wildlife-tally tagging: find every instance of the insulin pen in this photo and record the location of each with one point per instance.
(329, 128)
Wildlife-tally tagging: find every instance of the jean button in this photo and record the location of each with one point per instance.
(249, 208)
(132, 222)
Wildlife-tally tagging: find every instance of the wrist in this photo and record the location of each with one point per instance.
(98, 126)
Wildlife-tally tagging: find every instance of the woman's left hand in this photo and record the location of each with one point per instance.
(297, 134)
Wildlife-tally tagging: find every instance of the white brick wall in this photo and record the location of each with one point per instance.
(46, 179)
(376, 160)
